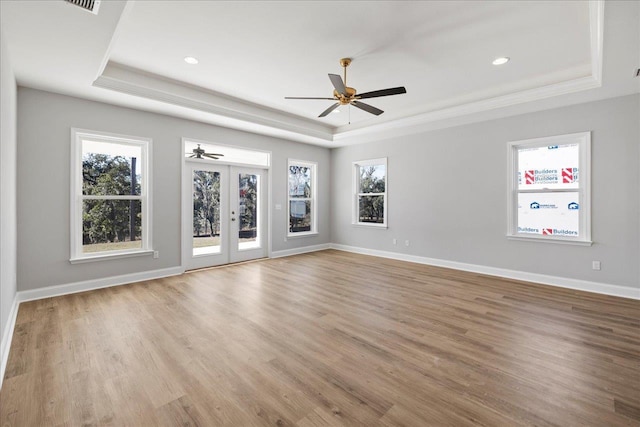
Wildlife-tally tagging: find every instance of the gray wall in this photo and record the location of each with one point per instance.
(7, 188)
(448, 194)
(437, 181)
(44, 122)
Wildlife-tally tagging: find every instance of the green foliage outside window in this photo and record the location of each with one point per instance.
(109, 221)
(206, 203)
(248, 185)
(299, 198)
(371, 201)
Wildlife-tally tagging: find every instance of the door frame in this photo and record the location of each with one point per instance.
(185, 191)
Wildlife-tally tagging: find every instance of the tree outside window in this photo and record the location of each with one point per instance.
(109, 195)
(301, 198)
(370, 192)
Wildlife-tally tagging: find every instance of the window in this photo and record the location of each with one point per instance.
(110, 215)
(370, 192)
(549, 197)
(302, 198)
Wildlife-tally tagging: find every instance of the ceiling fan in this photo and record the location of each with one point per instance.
(199, 153)
(345, 95)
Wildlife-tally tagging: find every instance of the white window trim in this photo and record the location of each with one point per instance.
(76, 197)
(583, 139)
(355, 193)
(313, 198)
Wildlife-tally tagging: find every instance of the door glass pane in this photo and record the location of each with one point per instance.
(248, 211)
(111, 225)
(549, 214)
(206, 212)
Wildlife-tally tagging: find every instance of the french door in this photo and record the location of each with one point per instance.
(224, 214)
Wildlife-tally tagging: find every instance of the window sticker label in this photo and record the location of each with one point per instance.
(548, 167)
(549, 214)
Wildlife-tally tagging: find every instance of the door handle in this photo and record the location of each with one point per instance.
(233, 219)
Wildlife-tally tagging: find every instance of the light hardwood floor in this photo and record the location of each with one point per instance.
(328, 338)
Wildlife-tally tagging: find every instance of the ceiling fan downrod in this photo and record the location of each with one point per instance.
(344, 63)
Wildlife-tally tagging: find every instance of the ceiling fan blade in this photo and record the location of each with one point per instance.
(330, 109)
(337, 82)
(382, 92)
(298, 97)
(210, 156)
(191, 156)
(366, 107)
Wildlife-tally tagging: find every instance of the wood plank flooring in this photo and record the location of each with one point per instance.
(325, 339)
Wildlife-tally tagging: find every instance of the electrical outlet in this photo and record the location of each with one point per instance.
(595, 265)
(395, 241)
(156, 254)
(278, 207)
(406, 243)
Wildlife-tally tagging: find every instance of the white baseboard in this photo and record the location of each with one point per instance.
(7, 335)
(89, 285)
(52, 291)
(302, 250)
(563, 282)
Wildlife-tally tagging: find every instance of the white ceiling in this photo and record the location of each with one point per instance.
(253, 54)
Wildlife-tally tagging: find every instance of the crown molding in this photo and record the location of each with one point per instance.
(225, 110)
(596, 32)
(593, 81)
(235, 113)
(557, 89)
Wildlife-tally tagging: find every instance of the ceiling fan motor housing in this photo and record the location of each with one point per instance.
(346, 98)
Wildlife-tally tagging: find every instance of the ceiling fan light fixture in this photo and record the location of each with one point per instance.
(501, 61)
(191, 60)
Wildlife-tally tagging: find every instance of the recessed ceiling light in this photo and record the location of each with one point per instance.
(190, 60)
(500, 61)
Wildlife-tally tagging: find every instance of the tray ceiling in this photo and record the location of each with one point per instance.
(253, 54)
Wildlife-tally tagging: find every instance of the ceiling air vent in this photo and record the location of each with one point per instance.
(88, 5)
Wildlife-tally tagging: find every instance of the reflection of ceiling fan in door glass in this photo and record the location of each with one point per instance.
(199, 153)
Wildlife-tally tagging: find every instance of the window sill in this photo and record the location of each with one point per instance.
(305, 234)
(372, 225)
(117, 255)
(555, 241)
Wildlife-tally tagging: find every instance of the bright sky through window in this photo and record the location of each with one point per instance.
(110, 149)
